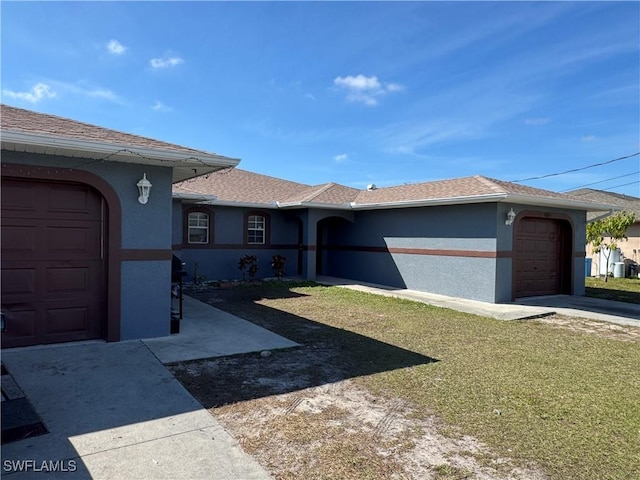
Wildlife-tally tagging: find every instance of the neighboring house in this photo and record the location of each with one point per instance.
(81, 257)
(473, 237)
(630, 248)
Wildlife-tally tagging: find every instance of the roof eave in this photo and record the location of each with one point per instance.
(185, 164)
(253, 205)
(493, 197)
(193, 197)
(328, 206)
(560, 203)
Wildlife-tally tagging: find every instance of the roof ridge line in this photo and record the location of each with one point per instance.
(319, 189)
(489, 183)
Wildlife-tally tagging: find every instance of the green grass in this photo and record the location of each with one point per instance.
(567, 400)
(620, 289)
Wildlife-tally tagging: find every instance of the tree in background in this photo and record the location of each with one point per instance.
(604, 235)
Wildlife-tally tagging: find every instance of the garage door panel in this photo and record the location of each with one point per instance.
(73, 242)
(18, 281)
(18, 239)
(67, 280)
(18, 198)
(19, 324)
(67, 320)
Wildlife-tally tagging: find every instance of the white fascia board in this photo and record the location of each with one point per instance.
(493, 197)
(560, 203)
(178, 159)
(327, 206)
(255, 205)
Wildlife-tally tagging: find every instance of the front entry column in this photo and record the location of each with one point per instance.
(310, 237)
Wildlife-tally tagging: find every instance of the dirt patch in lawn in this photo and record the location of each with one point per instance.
(304, 413)
(602, 329)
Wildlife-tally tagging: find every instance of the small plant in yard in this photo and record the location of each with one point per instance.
(277, 264)
(248, 265)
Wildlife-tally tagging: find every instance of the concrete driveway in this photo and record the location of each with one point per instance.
(113, 411)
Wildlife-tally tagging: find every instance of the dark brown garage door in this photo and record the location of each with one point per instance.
(542, 257)
(53, 287)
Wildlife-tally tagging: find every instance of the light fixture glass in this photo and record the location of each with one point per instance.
(511, 216)
(144, 188)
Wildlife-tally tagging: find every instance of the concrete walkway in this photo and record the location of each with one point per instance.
(207, 332)
(582, 307)
(113, 411)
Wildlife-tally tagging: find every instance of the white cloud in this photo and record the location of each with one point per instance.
(341, 158)
(165, 62)
(115, 47)
(37, 93)
(589, 138)
(161, 107)
(364, 89)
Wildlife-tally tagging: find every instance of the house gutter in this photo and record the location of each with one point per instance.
(227, 203)
(195, 197)
(488, 198)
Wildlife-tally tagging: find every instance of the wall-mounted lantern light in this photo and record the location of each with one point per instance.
(511, 216)
(144, 187)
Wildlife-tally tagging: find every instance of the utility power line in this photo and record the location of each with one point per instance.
(577, 169)
(624, 185)
(601, 181)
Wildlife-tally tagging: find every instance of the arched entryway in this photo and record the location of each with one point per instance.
(543, 256)
(327, 239)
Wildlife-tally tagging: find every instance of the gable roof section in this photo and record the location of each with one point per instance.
(627, 203)
(328, 195)
(240, 188)
(33, 132)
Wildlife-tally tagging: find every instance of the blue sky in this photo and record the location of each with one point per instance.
(354, 93)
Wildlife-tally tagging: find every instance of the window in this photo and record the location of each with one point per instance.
(198, 228)
(256, 229)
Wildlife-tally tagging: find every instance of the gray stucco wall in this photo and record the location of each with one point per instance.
(219, 261)
(145, 285)
(444, 236)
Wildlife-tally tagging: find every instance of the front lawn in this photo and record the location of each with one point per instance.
(620, 289)
(539, 394)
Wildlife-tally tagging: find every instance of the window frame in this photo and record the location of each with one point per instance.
(266, 224)
(186, 240)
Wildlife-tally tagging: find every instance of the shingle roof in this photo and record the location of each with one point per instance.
(238, 186)
(452, 188)
(628, 203)
(26, 121)
(329, 193)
